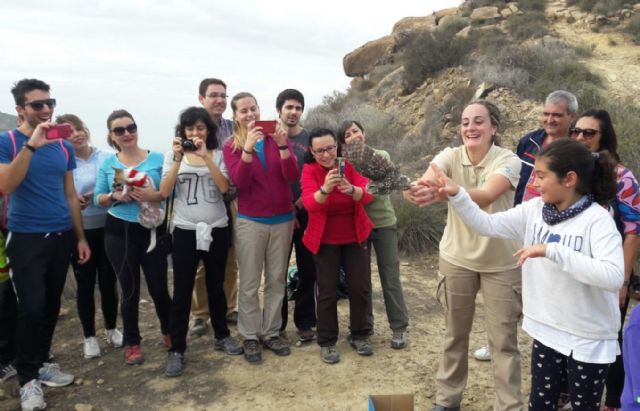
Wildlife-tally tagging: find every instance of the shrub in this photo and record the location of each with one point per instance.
(601, 6)
(532, 5)
(626, 120)
(633, 28)
(419, 229)
(531, 25)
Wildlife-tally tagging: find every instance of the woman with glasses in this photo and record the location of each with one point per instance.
(262, 166)
(195, 172)
(334, 194)
(594, 129)
(126, 240)
(88, 161)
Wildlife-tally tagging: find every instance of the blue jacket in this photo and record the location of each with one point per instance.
(527, 150)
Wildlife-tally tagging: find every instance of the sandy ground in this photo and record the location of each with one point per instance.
(215, 381)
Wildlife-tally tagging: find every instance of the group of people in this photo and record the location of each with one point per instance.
(549, 233)
(228, 202)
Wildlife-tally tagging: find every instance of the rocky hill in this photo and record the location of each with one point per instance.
(7, 121)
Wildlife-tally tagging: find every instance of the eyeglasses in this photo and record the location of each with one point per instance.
(131, 128)
(217, 95)
(38, 105)
(586, 132)
(321, 151)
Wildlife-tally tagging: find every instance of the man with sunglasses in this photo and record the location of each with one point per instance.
(44, 214)
(212, 94)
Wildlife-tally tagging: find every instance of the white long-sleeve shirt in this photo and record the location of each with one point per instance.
(573, 290)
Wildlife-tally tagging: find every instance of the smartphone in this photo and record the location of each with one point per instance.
(340, 163)
(59, 131)
(268, 126)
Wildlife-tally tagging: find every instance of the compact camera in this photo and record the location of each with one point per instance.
(340, 163)
(187, 145)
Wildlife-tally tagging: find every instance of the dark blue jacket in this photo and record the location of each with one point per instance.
(527, 150)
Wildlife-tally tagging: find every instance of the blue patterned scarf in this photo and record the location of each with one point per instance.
(552, 216)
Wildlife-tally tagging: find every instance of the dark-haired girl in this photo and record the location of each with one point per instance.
(594, 129)
(195, 169)
(572, 269)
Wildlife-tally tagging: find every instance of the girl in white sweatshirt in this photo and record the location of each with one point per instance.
(572, 269)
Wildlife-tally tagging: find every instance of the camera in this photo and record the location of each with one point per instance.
(187, 145)
(59, 131)
(340, 162)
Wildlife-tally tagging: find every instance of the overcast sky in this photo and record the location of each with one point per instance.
(149, 56)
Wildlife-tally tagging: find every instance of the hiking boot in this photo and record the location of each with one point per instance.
(199, 328)
(443, 408)
(482, 354)
(232, 317)
(329, 354)
(133, 355)
(252, 351)
(31, 396)
(114, 338)
(91, 348)
(278, 345)
(7, 371)
(51, 376)
(399, 340)
(227, 344)
(175, 362)
(306, 335)
(362, 346)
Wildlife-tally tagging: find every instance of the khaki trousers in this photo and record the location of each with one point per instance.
(261, 247)
(501, 292)
(200, 301)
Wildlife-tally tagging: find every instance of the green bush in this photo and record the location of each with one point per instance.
(633, 28)
(531, 25)
(601, 6)
(626, 120)
(419, 229)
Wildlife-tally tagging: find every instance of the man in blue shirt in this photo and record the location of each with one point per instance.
(44, 214)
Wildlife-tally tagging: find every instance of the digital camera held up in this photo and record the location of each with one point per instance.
(187, 145)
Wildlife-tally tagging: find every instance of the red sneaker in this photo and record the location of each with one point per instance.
(133, 355)
(167, 340)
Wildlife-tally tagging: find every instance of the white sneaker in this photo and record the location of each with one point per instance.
(31, 396)
(91, 347)
(114, 338)
(482, 354)
(51, 376)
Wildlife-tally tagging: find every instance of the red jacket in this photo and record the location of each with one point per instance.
(313, 176)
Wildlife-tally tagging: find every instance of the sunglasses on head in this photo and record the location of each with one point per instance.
(586, 132)
(38, 105)
(119, 131)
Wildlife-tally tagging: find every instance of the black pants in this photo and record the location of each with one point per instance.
(7, 323)
(185, 263)
(354, 259)
(39, 265)
(304, 314)
(615, 377)
(585, 380)
(126, 246)
(85, 274)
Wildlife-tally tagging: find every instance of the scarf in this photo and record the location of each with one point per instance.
(552, 216)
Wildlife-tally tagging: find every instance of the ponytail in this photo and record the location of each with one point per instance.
(603, 184)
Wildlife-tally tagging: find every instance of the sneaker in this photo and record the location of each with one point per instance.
(362, 347)
(114, 338)
(175, 362)
(232, 317)
(482, 354)
(227, 344)
(443, 408)
(199, 328)
(278, 345)
(399, 340)
(133, 355)
(564, 402)
(31, 396)
(51, 376)
(7, 372)
(329, 354)
(166, 340)
(91, 347)
(306, 335)
(252, 351)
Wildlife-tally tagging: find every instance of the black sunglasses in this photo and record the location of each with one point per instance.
(119, 131)
(38, 105)
(586, 132)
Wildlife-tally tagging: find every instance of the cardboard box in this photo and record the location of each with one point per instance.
(394, 402)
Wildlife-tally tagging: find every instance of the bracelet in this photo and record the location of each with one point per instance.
(247, 151)
(323, 192)
(285, 147)
(353, 190)
(29, 147)
(177, 160)
(626, 282)
(110, 195)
